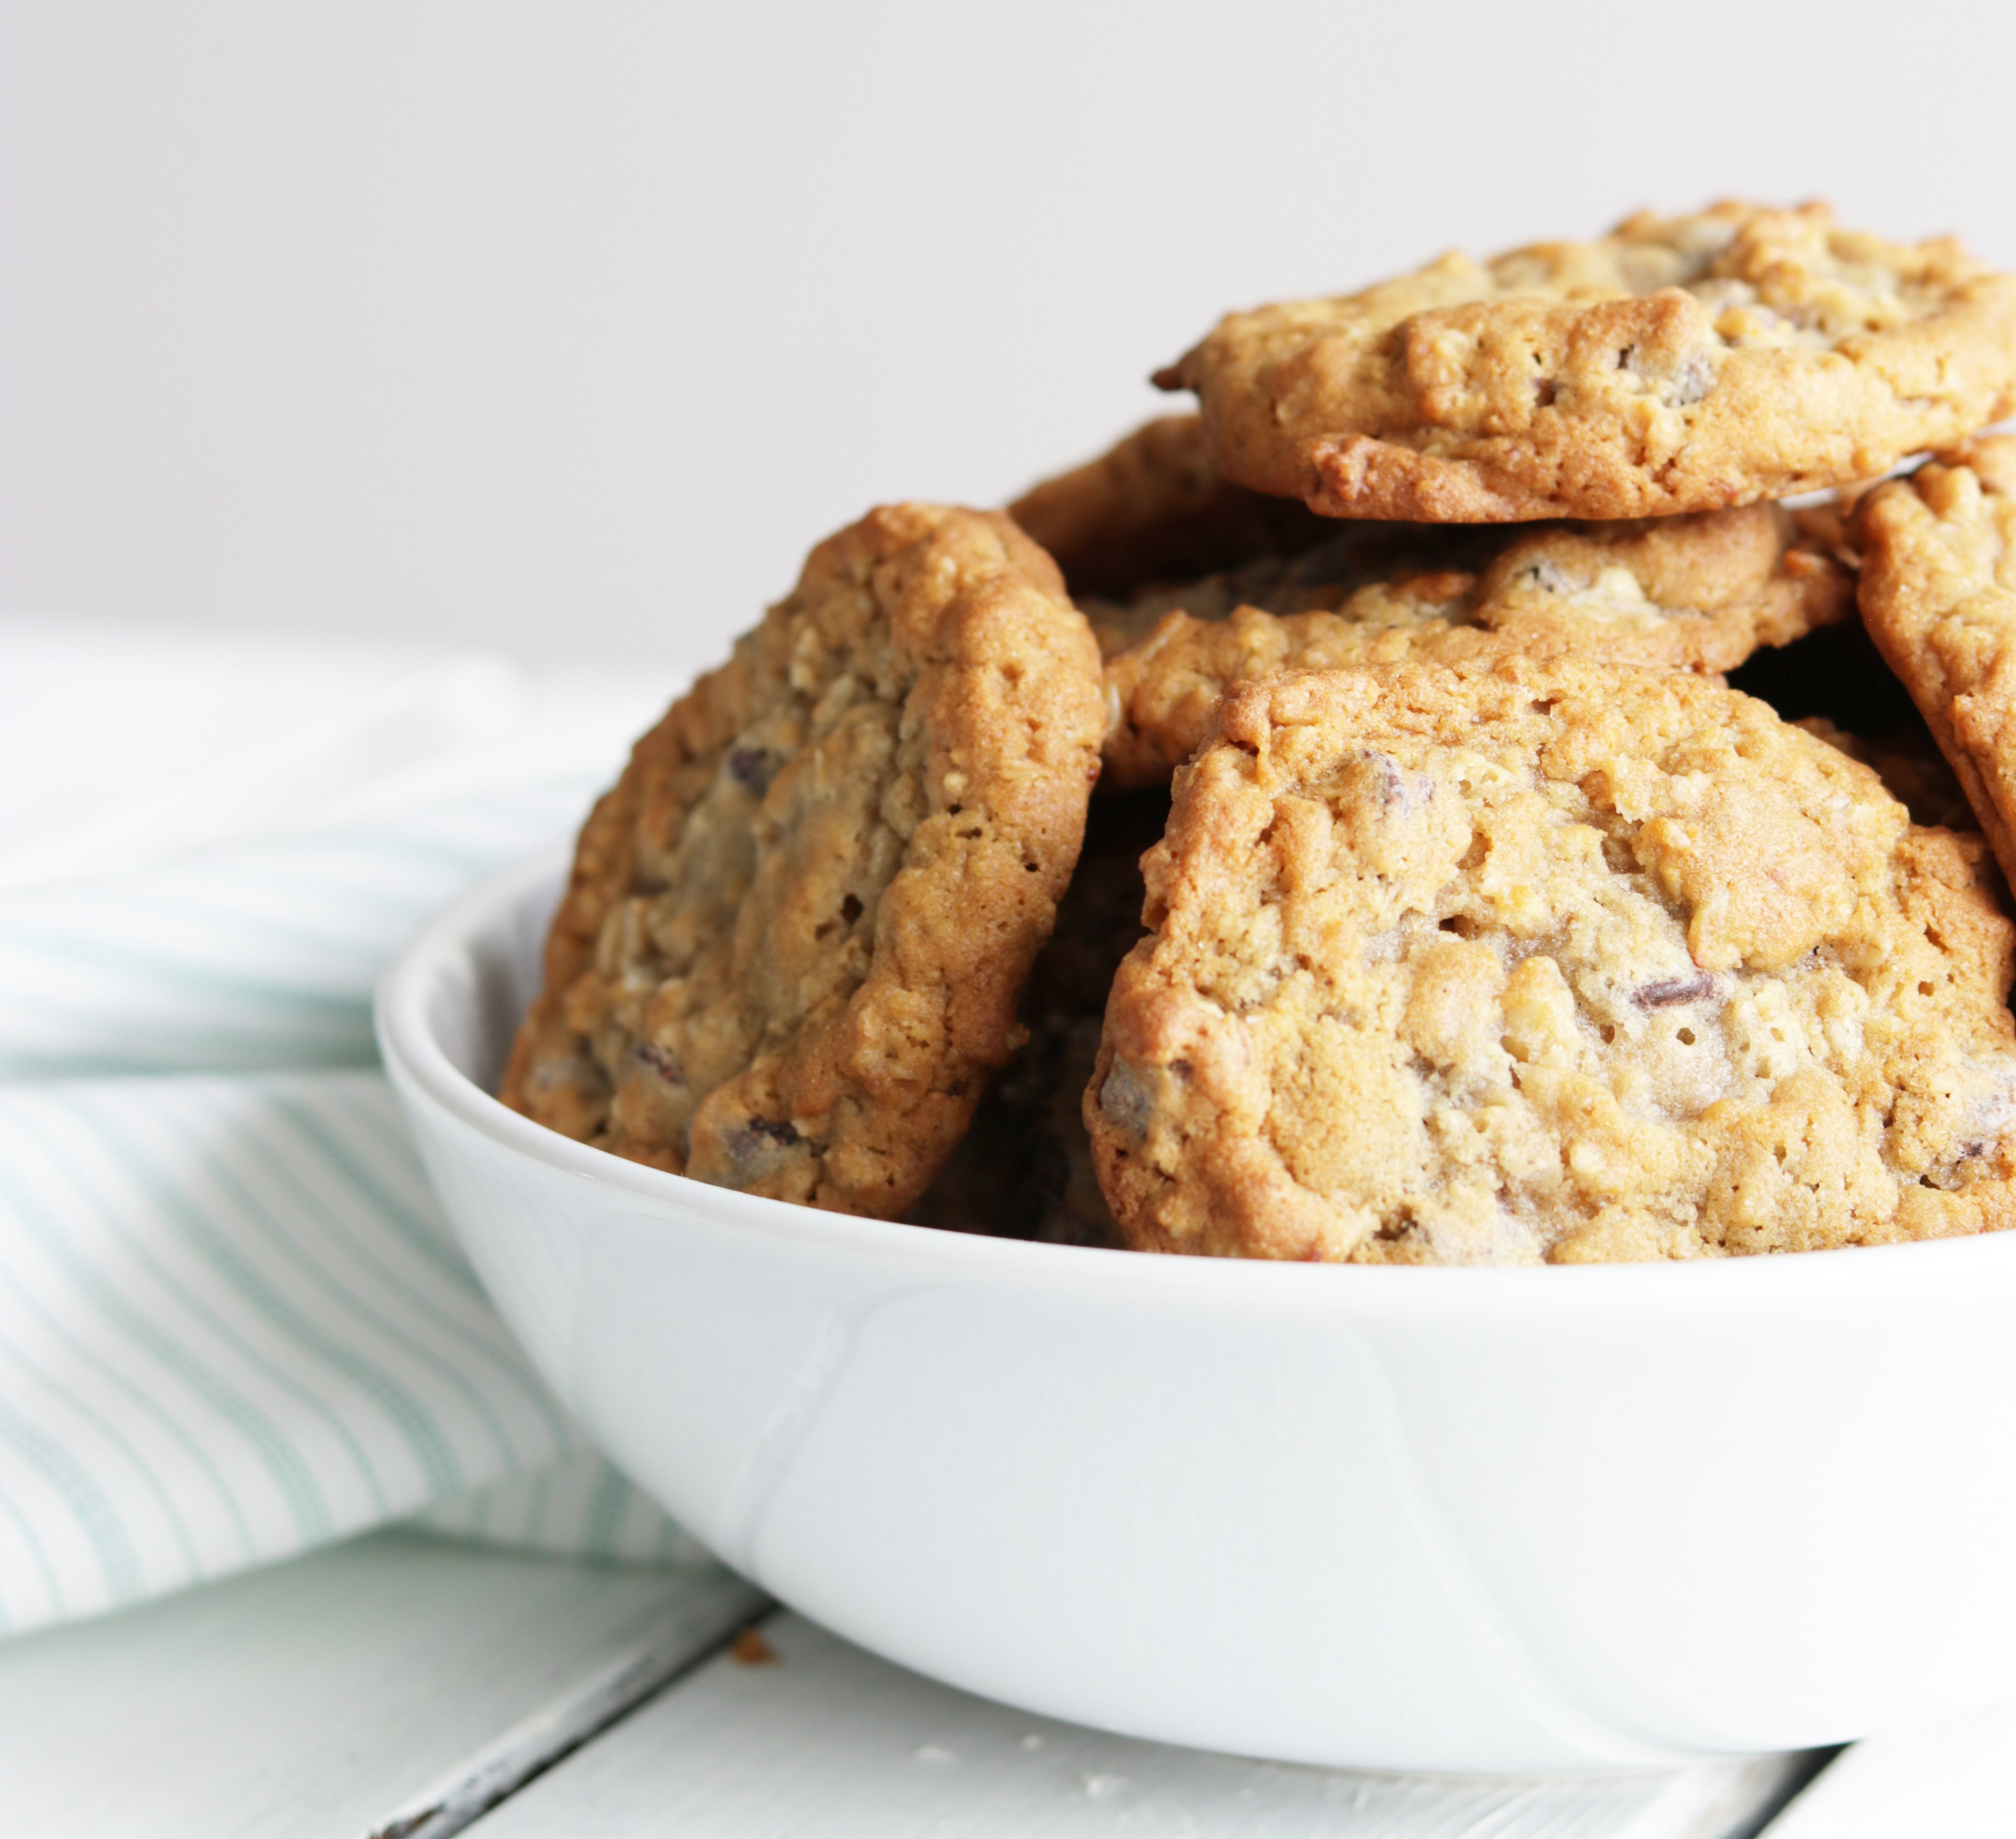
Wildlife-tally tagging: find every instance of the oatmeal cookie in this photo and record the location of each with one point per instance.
(1908, 762)
(1938, 595)
(1153, 508)
(790, 950)
(1555, 961)
(1698, 593)
(1837, 672)
(1024, 1169)
(1835, 683)
(1677, 364)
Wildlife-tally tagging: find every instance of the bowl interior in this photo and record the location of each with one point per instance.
(472, 1014)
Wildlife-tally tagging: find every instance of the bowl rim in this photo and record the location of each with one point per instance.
(419, 1064)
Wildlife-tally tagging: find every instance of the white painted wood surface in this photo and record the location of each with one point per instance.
(401, 1685)
(326, 1698)
(1955, 1780)
(828, 1741)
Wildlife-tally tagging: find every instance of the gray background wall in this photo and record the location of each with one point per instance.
(568, 327)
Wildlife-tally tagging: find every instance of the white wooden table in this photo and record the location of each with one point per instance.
(406, 1687)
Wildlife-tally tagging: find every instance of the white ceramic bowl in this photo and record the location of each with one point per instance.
(1452, 1520)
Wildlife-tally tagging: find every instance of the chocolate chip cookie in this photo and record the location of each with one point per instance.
(1938, 595)
(1550, 962)
(1677, 364)
(1024, 1169)
(1698, 593)
(1155, 508)
(1835, 683)
(790, 953)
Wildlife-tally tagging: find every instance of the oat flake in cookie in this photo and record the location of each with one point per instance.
(790, 953)
(1699, 592)
(1938, 595)
(1555, 961)
(1677, 364)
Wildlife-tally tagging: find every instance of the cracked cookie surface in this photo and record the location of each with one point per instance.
(1699, 592)
(1551, 962)
(790, 952)
(1939, 597)
(1677, 364)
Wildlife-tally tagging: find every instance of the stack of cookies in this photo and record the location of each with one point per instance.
(1334, 826)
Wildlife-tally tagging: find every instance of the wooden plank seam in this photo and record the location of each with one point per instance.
(662, 1654)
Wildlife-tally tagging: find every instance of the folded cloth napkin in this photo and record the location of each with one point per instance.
(233, 1323)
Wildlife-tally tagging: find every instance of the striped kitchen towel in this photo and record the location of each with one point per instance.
(233, 1323)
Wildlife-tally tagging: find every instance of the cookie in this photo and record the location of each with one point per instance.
(1908, 762)
(1698, 593)
(1677, 364)
(790, 953)
(1833, 684)
(1836, 673)
(1024, 1169)
(1559, 961)
(1154, 508)
(1939, 597)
